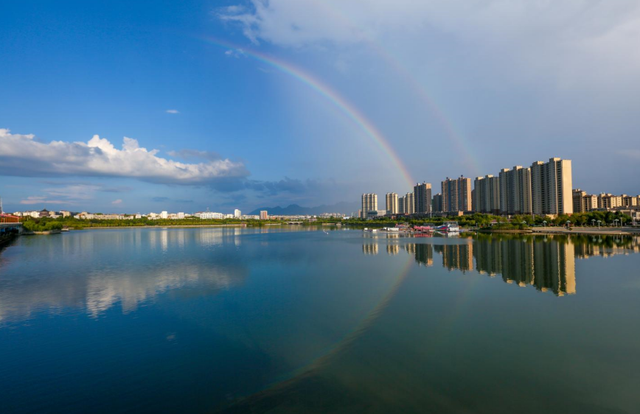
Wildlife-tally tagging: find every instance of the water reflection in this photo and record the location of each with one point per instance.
(547, 263)
(103, 268)
(370, 248)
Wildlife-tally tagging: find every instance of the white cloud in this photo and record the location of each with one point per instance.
(72, 194)
(116, 202)
(172, 111)
(236, 53)
(41, 200)
(21, 155)
(575, 41)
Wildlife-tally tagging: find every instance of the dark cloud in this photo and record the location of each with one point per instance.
(166, 199)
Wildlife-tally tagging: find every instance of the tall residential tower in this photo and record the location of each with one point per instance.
(391, 200)
(369, 203)
(456, 194)
(551, 187)
(422, 198)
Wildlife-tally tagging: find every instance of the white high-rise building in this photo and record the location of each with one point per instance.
(369, 203)
(392, 203)
(409, 204)
(456, 194)
(237, 213)
(551, 191)
(515, 190)
(486, 195)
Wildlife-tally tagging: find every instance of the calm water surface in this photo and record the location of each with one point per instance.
(231, 320)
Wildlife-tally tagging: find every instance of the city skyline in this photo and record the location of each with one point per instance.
(200, 105)
(543, 189)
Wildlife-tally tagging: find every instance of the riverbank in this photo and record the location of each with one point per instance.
(41, 233)
(184, 226)
(489, 230)
(588, 230)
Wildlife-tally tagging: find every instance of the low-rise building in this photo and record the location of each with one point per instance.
(608, 201)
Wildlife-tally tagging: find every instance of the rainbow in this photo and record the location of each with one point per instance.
(458, 139)
(345, 342)
(334, 97)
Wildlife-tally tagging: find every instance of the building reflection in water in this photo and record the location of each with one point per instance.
(456, 256)
(370, 248)
(544, 262)
(423, 253)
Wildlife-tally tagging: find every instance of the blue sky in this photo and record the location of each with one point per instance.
(454, 89)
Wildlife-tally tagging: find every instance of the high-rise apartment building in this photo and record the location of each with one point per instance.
(515, 191)
(369, 203)
(486, 195)
(401, 209)
(437, 203)
(391, 201)
(456, 194)
(464, 194)
(264, 215)
(237, 213)
(409, 204)
(422, 198)
(551, 187)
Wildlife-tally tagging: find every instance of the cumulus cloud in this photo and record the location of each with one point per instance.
(172, 111)
(22, 155)
(116, 202)
(187, 154)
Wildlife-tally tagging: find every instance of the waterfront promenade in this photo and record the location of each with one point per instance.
(587, 230)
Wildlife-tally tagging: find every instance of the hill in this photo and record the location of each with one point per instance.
(296, 210)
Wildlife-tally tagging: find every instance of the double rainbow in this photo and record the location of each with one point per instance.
(323, 89)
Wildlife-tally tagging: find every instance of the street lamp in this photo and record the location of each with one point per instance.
(544, 223)
(568, 223)
(593, 222)
(616, 222)
(599, 221)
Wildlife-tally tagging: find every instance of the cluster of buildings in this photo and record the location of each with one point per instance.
(583, 202)
(237, 214)
(165, 215)
(544, 188)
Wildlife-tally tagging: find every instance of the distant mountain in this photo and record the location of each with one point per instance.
(296, 210)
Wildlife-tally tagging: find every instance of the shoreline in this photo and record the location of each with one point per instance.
(162, 226)
(593, 231)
